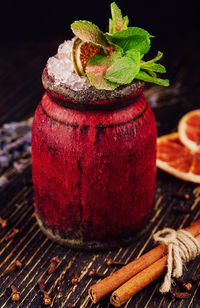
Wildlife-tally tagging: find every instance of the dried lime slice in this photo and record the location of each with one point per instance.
(81, 53)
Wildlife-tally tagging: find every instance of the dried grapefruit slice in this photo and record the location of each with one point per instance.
(174, 158)
(81, 53)
(189, 130)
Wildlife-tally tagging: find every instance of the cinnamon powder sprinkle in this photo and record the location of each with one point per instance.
(3, 222)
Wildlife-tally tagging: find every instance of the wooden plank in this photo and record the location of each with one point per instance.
(34, 249)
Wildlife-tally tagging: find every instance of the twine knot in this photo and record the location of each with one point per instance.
(182, 247)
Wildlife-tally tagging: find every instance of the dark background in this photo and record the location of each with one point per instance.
(42, 19)
(31, 31)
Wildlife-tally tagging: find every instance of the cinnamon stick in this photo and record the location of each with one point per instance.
(104, 287)
(139, 281)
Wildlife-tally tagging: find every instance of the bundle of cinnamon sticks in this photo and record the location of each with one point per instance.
(136, 275)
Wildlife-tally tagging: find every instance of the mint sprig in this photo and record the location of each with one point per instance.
(123, 50)
(117, 22)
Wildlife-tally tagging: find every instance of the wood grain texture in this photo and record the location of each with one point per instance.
(93, 190)
(21, 90)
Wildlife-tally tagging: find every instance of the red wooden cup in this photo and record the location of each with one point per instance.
(94, 164)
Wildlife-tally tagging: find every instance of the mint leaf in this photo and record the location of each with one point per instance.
(146, 77)
(155, 67)
(111, 26)
(118, 22)
(126, 21)
(90, 33)
(124, 69)
(156, 58)
(134, 55)
(131, 38)
(153, 74)
(96, 70)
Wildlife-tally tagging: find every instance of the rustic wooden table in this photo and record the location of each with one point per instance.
(21, 65)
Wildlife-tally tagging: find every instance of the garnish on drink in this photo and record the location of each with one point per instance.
(117, 57)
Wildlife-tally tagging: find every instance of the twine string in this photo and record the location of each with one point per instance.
(182, 247)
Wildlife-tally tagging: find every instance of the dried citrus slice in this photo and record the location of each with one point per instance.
(174, 158)
(81, 53)
(189, 130)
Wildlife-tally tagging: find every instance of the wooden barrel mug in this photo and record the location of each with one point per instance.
(94, 165)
